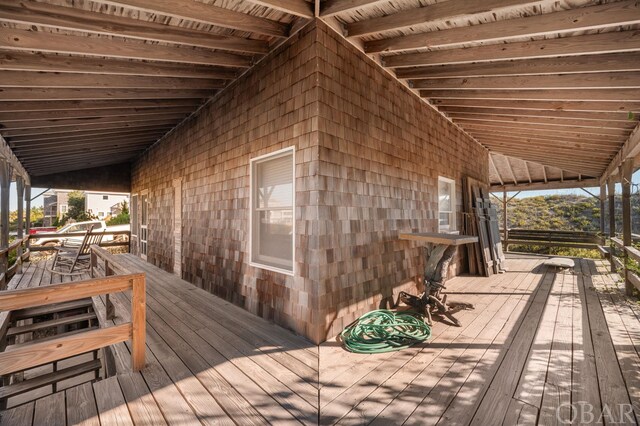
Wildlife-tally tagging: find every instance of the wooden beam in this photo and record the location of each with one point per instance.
(75, 19)
(207, 14)
(537, 186)
(551, 121)
(523, 105)
(93, 81)
(499, 128)
(626, 172)
(588, 152)
(68, 129)
(481, 112)
(27, 61)
(9, 117)
(526, 167)
(611, 62)
(14, 39)
(54, 124)
(622, 133)
(580, 19)
(591, 157)
(622, 95)
(513, 175)
(85, 106)
(431, 13)
(299, 8)
(630, 149)
(83, 134)
(60, 167)
(45, 94)
(68, 147)
(89, 160)
(533, 137)
(495, 169)
(544, 173)
(621, 41)
(333, 7)
(30, 159)
(563, 81)
(561, 163)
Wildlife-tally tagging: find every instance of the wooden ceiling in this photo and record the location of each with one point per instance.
(91, 83)
(555, 83)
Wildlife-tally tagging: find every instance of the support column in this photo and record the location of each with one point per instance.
(20, 191)
(626, 170)
(603, 200)
(611, 193)
(27, 196)
(5, 183)
(505, 220)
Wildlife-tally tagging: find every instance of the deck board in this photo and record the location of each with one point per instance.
(535, 339)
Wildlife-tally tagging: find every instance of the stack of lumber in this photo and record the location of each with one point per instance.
(481, 220)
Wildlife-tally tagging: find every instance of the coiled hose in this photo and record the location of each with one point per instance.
(385, 331)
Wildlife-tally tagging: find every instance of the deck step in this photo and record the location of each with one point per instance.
(50, 309)
(49, 378)
(13, 331)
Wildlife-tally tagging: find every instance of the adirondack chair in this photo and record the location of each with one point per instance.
(75, 260)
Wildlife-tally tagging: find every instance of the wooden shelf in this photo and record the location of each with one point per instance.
(440, 238)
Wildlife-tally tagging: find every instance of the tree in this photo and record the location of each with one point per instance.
(76, 210)
(122, 218)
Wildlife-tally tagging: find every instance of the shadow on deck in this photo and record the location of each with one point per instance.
(540, 346)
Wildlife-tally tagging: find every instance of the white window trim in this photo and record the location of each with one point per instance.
(453, 226)
(290, 150)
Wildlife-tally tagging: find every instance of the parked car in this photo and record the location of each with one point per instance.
(99, 226)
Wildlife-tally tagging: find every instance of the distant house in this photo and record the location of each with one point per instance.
(100, 204)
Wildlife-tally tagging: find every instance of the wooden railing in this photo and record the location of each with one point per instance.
(620, 259)
(114, 243)
(553, 238)
(22, 357)
(22, 253)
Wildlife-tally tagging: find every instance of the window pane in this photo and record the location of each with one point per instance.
(444, 192)
(275, 230)
(445, 219)
(274, 179)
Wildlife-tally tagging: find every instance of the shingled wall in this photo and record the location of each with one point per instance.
(368, 155)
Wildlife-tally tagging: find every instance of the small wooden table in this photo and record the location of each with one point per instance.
(437, 262)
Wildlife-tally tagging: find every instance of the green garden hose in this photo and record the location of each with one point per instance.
(385, 331)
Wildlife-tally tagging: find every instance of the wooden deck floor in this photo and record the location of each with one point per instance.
(536, 342)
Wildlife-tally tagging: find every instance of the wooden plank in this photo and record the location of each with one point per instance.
(65, 292)
(578, 19)
(562, 81)
(102, 126)
(50, 410)
(20, 357)
(622, 95)
(519, 105)
(80, 122)
(505, 130)
(70, 18)
(208, 14)
(624, 41)
(81, 406)
(294, 7)
(68, 146)
(62, 114)
(29, 328)
(630, 149)
(138, 318)
(92, 81)
(333, 7)
(142, 406)
(560, 128)
(14, 39)
(50, 308)
(21, 415)
(111, 405)
(98, 134)
(552, 121)
(485, 111)
(627, 61)
(45, 94)
(433, 12)
(87, 107)
(439, 238)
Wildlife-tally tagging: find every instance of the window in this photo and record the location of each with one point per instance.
(100, 214)
(446, 204)
(272, 215)
(63, 208)
(105, 197)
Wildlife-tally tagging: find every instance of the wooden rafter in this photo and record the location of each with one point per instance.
(551, 121)
(630, 149)
(85, 106)
(587, 18)
(532, 138)
(44, 14)
(621, 95)
(333, 7)
(60, 115)
(564, 81)
(13, 39)
(75, 128)
(208, 14)
(495, 169)
(517, 104)
(55, 124)
(551, 113)
(87, 141)
(45, 94)
(300, 8)
(611, 42)
(534, 186)
(526, 168)
(558, 147)
(546, 128)
(84, 134)
(433, 12)
(25, 61)
(535, 132)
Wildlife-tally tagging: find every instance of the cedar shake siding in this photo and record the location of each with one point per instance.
(368, 154)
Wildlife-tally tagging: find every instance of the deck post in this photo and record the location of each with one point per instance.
(138, 318)
(626, 170)
(603, 200)
(5, 183)
(611, 193)
(27, 197)
(505, 220)
(20, 191)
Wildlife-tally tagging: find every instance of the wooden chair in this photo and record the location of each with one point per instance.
(75, 260)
